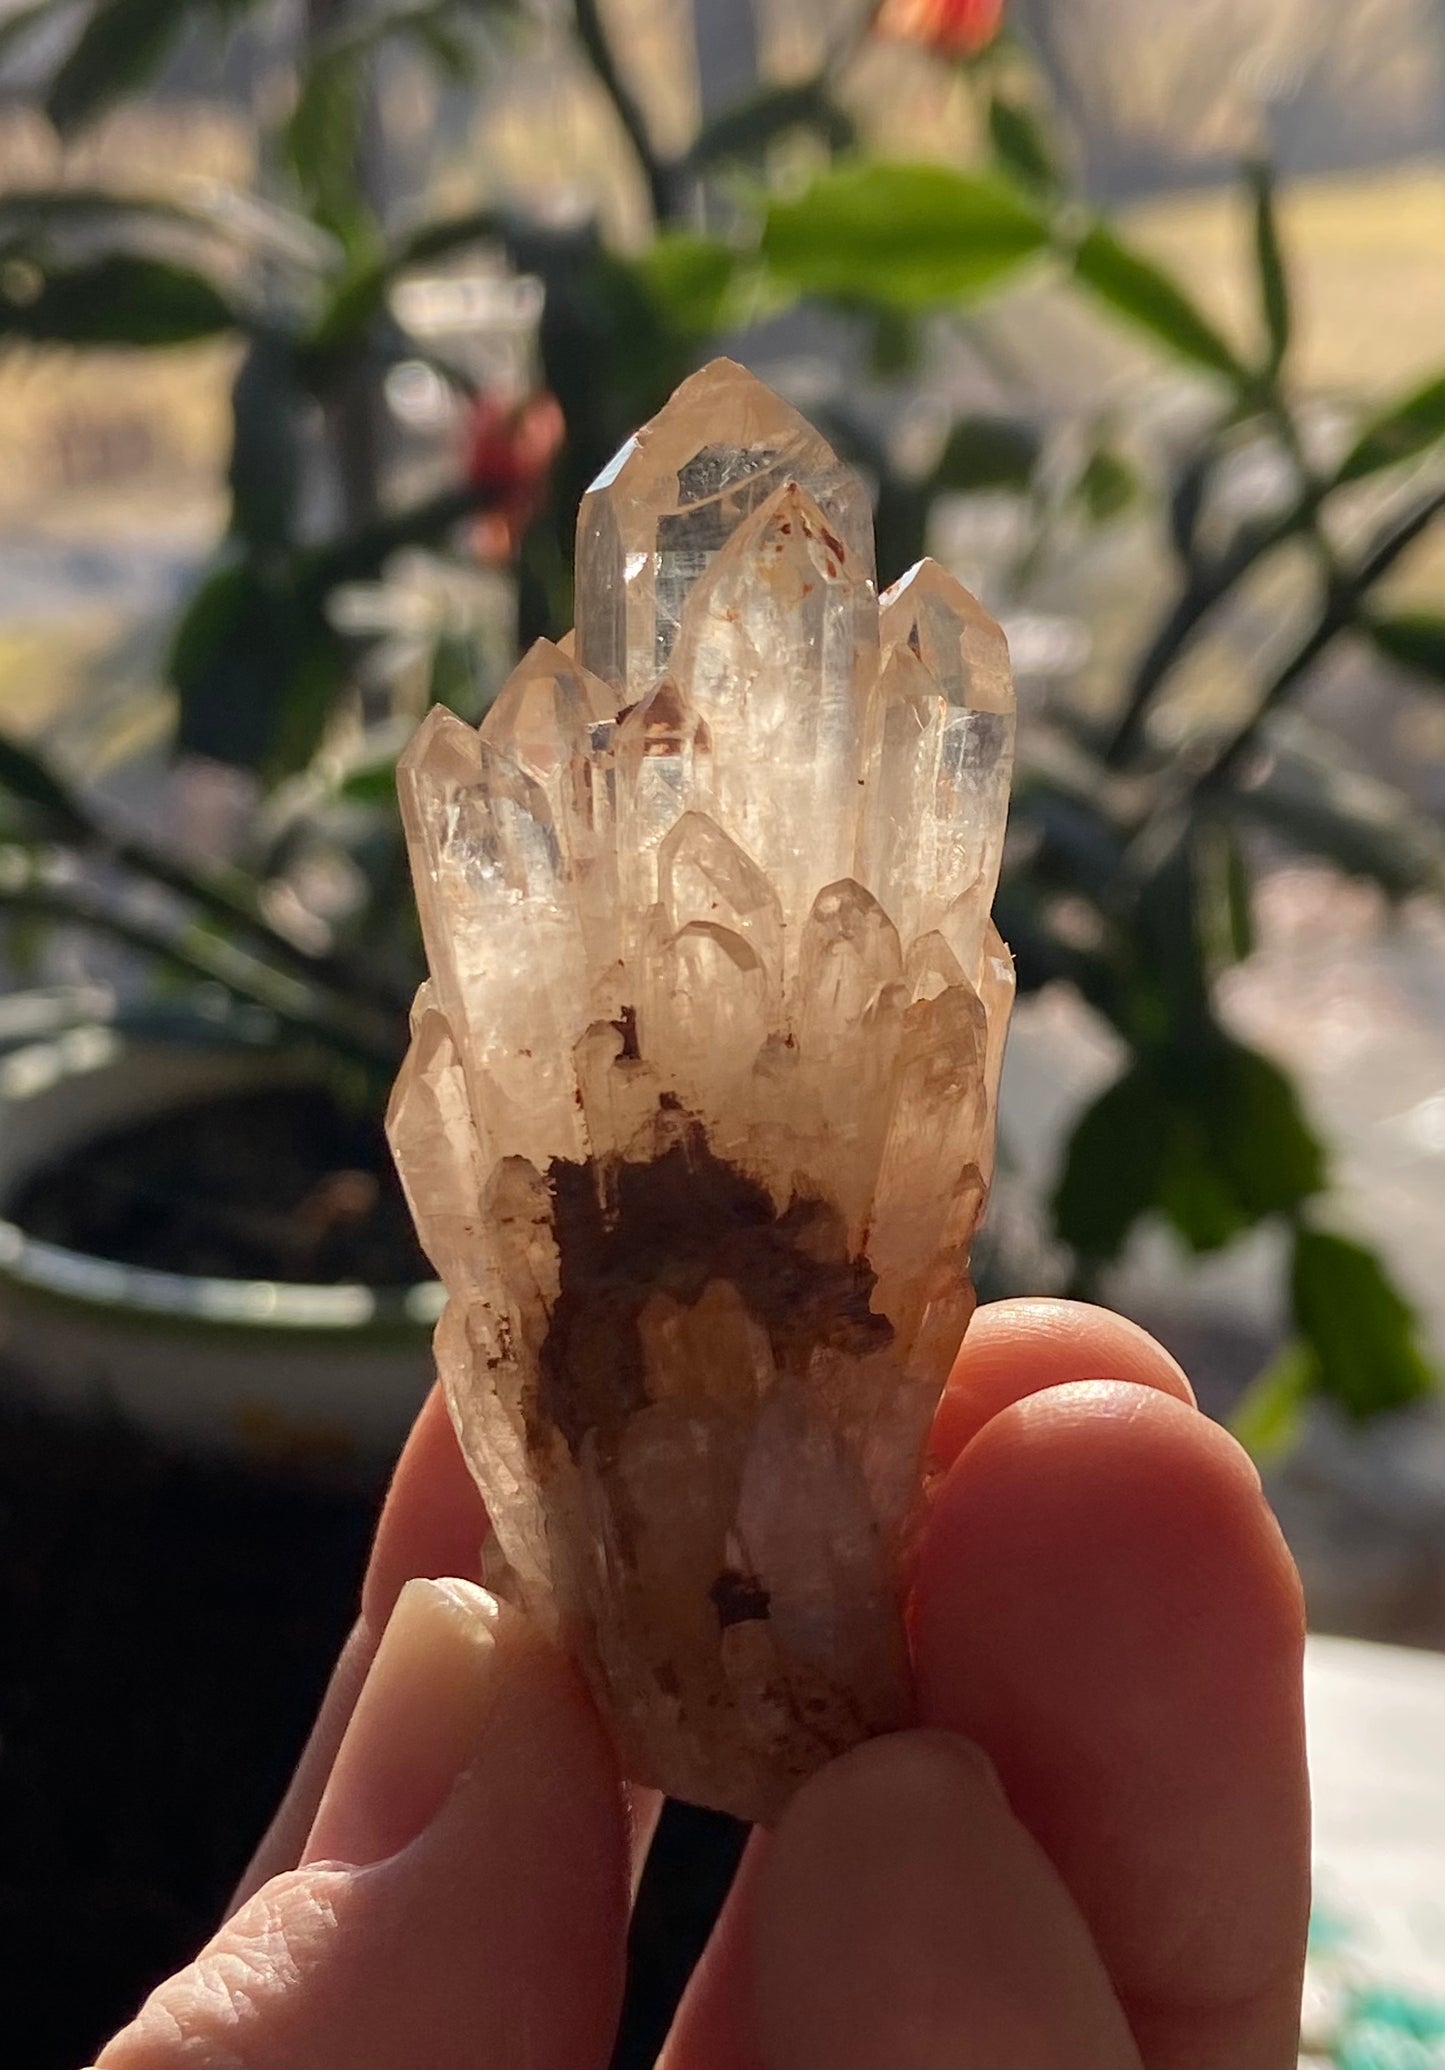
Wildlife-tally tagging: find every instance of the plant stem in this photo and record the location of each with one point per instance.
(593, 37)
(352, 410)
(1340, 613)
(1208, 585)
(223, 894)
(198, 956)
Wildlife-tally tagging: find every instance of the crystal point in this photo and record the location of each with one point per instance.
(673, 496)
(958, 765)
(697, 1119)
(779, 652)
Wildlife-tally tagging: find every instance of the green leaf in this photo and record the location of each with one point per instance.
(1020, 146)
(1269, 265)
(1212, 1138)
(1405, 428)
(231, 658)
(689, 279)
(1265, 1151)
(1141, 291)
(117, 300)
(1114, 1166)
(375, 784)
(267, 411)
(988, 453)
(747, 130)
(1414, 640)
(323, 138)
(909, 235)
(215, 607)
(1170, 949)
(1107, 486)
(119, 48)
(257, 670)
(319, 672)
(1194, 1192)
(1226, 916)
(33, 218)
(1361, 1334)
(1239, 899)
(25, 775)
(1268, 1416)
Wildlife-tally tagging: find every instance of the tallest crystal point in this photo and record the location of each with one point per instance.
(698, 1116)
(672, 498)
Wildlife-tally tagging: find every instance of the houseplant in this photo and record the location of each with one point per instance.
(1135, 821)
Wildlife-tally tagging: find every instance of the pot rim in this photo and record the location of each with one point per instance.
(351, 1310)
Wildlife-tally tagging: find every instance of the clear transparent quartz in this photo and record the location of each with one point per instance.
(698, 1116)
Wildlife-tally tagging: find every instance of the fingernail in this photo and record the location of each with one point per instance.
(417, 1726)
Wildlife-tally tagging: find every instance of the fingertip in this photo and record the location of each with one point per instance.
(1126, 1480)
(897, 1776)
(432, 1521)
(419, 1721)
(905, 1917)
(1013, 1349)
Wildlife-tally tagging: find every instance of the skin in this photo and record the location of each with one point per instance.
(1093, 1852)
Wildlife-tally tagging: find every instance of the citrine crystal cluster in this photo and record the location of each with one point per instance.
(697, 1120)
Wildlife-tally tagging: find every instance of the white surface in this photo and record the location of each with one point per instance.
(1376, 1723)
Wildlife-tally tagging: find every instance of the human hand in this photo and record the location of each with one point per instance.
(1095, 1854)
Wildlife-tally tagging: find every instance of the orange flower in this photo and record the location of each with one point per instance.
(954, 28)
(508, 453)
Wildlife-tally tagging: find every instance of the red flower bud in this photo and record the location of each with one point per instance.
(508, 453)
(954, 28)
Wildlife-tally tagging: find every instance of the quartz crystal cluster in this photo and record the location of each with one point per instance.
(697, 1119)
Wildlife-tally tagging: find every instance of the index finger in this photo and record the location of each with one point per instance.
(1105, 1605)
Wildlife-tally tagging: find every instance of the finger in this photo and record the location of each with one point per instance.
(464, 1895)
(431, 1523)
(1015, 1348)
(1104, 1604)
(905, 1920)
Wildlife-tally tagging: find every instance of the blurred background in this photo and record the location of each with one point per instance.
(316, 319)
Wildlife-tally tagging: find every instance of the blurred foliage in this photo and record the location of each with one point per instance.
(1129, 868)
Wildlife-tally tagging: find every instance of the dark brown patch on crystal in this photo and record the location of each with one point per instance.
(738, 1598)
(671, 1225)
(626, 1026)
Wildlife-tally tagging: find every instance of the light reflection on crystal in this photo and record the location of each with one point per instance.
(698, 1116)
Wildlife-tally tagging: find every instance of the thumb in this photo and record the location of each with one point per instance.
(906, 1919)
(462, 1899)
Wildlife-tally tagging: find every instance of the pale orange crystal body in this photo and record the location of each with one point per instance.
(697, 1121)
